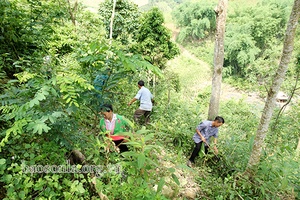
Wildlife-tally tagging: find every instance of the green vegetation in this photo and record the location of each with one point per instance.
(154, 40)
(50, 104)
(196, 20)
(126, 19)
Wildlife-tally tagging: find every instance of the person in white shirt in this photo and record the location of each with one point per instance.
(146, 98)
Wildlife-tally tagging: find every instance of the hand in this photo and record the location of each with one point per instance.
(216, 150)
(116, 148)
(106, 149)
(129, 104)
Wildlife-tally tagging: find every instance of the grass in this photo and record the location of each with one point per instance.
(194, 74)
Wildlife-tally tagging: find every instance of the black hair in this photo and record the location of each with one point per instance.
(220, 119)
(141, 83)
(107, 107)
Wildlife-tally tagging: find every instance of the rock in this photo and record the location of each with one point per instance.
(281, 97)
(190, 193)
(166, 191)
(76, 157)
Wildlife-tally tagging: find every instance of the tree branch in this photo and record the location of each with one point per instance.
(288, 101)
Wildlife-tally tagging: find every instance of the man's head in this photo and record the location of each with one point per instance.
(107, 71)
(219, 121)
(141, 83)
(107, 111)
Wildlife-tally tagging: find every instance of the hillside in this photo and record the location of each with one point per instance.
(69, 100)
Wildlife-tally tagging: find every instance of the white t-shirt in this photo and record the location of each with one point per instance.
(144, 96)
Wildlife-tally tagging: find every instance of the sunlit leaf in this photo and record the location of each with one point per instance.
(141, 160)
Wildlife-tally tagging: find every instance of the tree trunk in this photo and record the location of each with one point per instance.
(277, 81)
(73, 11)
(112, 21)
(298, 148)
(221, 12)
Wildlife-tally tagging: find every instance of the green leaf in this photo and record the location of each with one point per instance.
(22, 194)
(57, 114)
(39, 126)
(33, 102)
(141, 160)
(44, 118)
(135, 144)
(76, 104)
(40, 96)
(175, 179)
(80, 188)
(148, 137)
(284, 183)
(160, 185)
(129, 154)
(2, 161)
(51, 119)
(171, 169)
(7, 178)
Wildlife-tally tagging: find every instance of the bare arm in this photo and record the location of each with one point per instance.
(132, 100)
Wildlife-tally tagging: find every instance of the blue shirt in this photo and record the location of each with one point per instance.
(144, 96)
(99, 81)
(207, 131)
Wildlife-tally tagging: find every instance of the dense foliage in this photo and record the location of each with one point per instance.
(49, 105)
(125, 22)
(154, 39)
(50, 99)
(196, 20)
(252, 33)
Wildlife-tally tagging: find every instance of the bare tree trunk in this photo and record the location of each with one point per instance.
(298, 148)
(112, 21)
(221, 12)
(277, 81)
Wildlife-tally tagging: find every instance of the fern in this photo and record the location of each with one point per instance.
(17, 128)
(70, 85)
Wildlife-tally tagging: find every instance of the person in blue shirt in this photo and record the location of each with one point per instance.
(146, 98)
(204, 131)
(100, 84)
(101, 80)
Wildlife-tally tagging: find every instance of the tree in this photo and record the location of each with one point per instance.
(126, 19)
(154, 39)
(298, 148)
(221, 12)
(196, 20)
(26, 28)
(277, 81)
(252, 34)
(112, 21)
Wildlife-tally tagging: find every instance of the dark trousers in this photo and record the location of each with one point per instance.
(197, 150)
(122, 147)
(138, 113)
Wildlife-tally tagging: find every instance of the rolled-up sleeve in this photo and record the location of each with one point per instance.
(201, 126)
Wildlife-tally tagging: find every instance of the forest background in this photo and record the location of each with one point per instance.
(51, 52)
